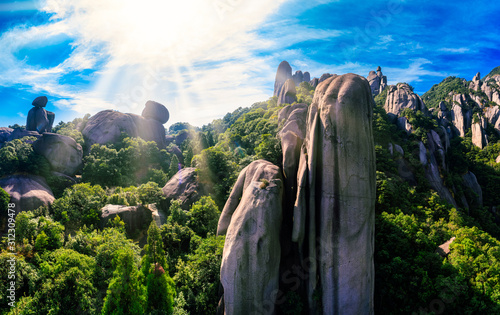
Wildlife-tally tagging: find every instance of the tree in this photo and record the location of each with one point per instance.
(159, 286)
(204, 216)
(125, 294)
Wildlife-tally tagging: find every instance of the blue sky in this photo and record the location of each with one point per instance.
(204, 58)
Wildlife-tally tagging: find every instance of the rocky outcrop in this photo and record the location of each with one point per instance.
(27, 192)
(107, 126)
(490, 87)
(39, 120)
(292, 136)
(184, 186)
(334, 213)
(156, 111)
(479, 133)
(324, 76)
(476, 82)
(136, 218)
(307, 77)
(475, 195)
(62, 152)
(283, 73)
(401, 97)
(461, 117)
(403, 124)
(314, 82)
(444, 249)
(251, 221)
(377, 81)
(288, 93)
(298, 77)
(40, 101)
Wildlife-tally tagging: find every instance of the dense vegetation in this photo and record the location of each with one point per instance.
(66, 264)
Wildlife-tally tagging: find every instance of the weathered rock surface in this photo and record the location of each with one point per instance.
(444, 249)
(470, 181)
(136, 218)
(251, 220)
(324, 76)
(39, 120)
(62, 152)
(40, 101)
(5, 134)
(490, 90)
(107, 126)
(307, 77)
(27, 192)
(156, 111)
(283, 73)
(377, 81)
(461, 119)
(185, 187)
(479, 134)
(336, 190)
(292, 136)
(288, 93)
(298, 77)
(401, 97)
(314, 82)
(403, 124)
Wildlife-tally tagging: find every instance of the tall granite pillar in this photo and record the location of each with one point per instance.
(334, 213)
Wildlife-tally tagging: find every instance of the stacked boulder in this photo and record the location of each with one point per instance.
(377, 81)
(107, 126)
(39, 119)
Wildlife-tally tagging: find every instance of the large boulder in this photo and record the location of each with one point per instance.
(107, 126)
(5, 134)
(62, 152)
(27, 192)
(288, 93)
(334, 214)
(39, 120)
(400, 97)
(136, 218)
(184, 186)
(461, 117)
(40, 101)
(156, 111)
(283, 73)
(251, 221)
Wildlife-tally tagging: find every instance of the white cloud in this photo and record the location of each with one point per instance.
(460, 50)
(196, 54)
(20, 114)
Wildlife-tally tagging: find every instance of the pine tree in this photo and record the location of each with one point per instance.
(174, 165)
(126, 294)
(159, 285)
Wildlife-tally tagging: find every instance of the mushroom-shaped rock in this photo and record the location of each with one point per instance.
(156, 111)
(40, 101)
(401, 97)
(283, 73)
(62, 152)
(27, 192)
(251, 220)
(334, 214)
(185, 187)
(288, 93)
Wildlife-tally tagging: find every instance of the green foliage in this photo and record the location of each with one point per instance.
(178, 242)
(439, 92)
(494, 71)
(305, 93)
(269, 149)
(65, 285)
(204, 216)
(150, 193)
(70, 130)
(4, 203)
(26, 278)
(125, 294)
(80, 204)
(176, 214)
(125, 163)
(217, 172)
(18, 156)
(39, 232)
(178, 126)
(159, 286)
(198, 278)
